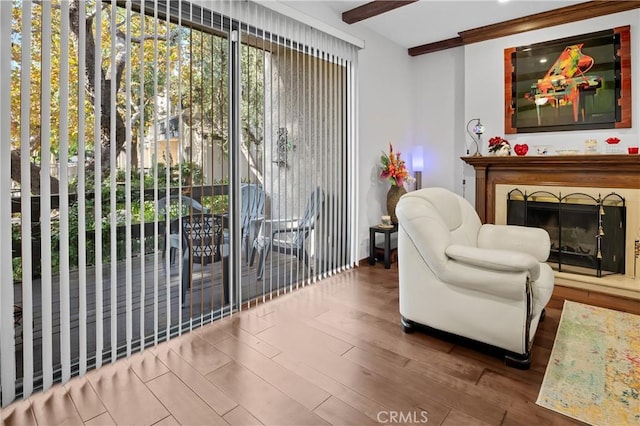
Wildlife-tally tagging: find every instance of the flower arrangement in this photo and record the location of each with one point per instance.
(393, 168)
(612, 141)
(499, 146)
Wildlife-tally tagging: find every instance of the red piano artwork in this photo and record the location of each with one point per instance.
(566, 83)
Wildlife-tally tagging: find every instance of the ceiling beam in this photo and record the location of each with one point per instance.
(372, 9)
(436, 46)
(563, 15)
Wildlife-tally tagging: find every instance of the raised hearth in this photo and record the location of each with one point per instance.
(592, 174)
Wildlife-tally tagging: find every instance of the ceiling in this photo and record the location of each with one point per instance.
(428, 21)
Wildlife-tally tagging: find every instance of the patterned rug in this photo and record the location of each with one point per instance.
(593, 374)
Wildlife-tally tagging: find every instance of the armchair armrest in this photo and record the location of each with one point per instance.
(256, 220)
(292, 229)
(504, 284)
(271, 224)
(255, 224)
(267, 226)
(533, 241)
(496, 260)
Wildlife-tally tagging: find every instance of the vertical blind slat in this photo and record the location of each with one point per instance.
(201, 100)
(306, 130)
(341, 231)
(337, 234)
(113, 245)
(25, 194)
(127, 192)
(97, 149)
(333, 213)
(142, 159)
(325, 215)
(45, 200)
(167, 193)
(180, 149)
(329, 210)
(353, 149)
(264, 128)
(7, 339)
(317, 136)
(65, 307)
(154, 120)
(82, 219)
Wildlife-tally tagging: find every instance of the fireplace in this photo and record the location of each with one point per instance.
(587, 233)
(593, 175)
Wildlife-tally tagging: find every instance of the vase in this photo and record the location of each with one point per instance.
(501, 150)
(393, 196)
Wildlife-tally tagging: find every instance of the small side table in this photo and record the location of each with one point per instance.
(387, 232)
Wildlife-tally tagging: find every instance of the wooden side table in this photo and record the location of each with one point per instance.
(387, 232)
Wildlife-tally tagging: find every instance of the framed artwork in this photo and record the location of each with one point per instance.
(575, 83)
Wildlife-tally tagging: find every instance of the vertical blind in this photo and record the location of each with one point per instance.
(165, 164)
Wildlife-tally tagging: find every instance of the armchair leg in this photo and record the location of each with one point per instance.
(521, 362)
(245, 249)
(263, 253)
(253, 256)
(261, 259)
(186, 279)
(407, 325)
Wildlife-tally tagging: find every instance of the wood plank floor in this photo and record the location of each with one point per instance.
(331, 353)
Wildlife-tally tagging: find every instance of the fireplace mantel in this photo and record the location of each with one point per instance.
(604, 171)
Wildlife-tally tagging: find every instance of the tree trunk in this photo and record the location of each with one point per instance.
(104, 80)
(134, 152)
(35, 174)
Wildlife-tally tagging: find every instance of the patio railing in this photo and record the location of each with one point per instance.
(198, 193)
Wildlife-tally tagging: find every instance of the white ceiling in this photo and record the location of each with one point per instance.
(428, 21)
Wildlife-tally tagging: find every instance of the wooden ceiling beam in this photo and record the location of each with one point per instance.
(372, 9)
(436, 46)
(563, 15)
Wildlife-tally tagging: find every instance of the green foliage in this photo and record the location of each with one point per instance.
(142, 211)
(187, 66)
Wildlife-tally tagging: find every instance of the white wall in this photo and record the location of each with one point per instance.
(385, 116)
(438, 111)
(484, 86)
(456, 85)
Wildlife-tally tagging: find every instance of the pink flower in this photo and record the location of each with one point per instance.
(393, 168)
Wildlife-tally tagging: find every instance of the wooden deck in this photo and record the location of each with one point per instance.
(205, 296)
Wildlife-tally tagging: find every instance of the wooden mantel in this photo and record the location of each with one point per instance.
(596, 171)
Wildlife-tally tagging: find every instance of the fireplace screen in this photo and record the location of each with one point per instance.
(587, 234)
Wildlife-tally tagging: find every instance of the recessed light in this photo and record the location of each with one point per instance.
(543, 60)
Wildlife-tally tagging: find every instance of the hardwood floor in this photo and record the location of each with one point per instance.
(331, 353)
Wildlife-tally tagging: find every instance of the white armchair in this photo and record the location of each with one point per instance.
(488, 283)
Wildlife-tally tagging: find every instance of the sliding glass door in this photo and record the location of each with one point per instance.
(170, 164)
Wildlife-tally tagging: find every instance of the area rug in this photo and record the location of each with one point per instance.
(593, 374)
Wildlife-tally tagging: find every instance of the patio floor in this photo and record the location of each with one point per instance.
(205, 296)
